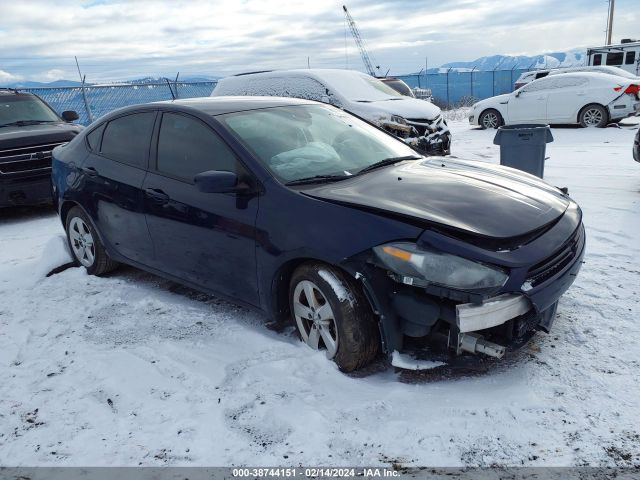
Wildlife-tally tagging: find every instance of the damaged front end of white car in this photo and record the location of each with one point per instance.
(429, 136)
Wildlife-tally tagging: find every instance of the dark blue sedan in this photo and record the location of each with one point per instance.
(316, 217)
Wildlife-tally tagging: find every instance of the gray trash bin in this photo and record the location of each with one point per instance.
(524, 146)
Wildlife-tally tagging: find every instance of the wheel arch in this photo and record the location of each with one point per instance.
(495, 109)
(66, 207)
(581, 109)
(279, 296)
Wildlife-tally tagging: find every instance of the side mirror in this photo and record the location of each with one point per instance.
(70, 115)
(216, 181)
(518, 93)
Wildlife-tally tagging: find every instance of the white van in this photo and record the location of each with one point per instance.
(419, 123)
(625, 55)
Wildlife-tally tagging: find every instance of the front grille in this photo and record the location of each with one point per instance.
(33, 159)
(543, 271)
(423, 126)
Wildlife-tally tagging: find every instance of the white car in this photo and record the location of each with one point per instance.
(417, 122)
(527, 77)
(590, 99)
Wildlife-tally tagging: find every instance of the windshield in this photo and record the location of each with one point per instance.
(400, 87)
(16, 109)
(304, 141)
(357, 87)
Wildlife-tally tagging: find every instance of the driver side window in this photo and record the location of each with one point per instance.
(187, 147)
(537, 85)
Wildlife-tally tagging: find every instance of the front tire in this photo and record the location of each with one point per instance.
(490, 118)
(332, 314)
(85, 244)
(593, 115)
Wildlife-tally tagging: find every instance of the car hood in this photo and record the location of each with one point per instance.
(494, 100)
(406, 107)
(485, 200)
(16, 137)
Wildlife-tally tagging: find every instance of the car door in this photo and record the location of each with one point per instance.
(567, 95)
(207, 239)
(113, 173)
(529, 104)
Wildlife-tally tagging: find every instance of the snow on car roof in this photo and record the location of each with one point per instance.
(350, 84)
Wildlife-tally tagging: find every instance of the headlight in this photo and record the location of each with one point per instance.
(398, 119)
(422, 267)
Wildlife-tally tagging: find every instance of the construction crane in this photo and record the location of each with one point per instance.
(356, 36)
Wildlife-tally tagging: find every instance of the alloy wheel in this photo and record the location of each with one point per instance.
(592, 117)
(82, 242)
(490, 120)
(314, 318)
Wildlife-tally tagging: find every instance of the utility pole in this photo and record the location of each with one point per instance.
(610, 21)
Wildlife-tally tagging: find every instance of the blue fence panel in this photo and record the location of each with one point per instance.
(453, 88)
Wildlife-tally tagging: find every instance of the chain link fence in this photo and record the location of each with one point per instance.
(449, 90)
(102, 99)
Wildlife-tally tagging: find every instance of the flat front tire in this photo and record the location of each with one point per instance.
(332, 314)
(85, 245)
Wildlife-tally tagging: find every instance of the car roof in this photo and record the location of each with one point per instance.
(598, 76)
(221, 105)
(327, 76)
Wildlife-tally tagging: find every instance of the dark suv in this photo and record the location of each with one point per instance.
(29, 130)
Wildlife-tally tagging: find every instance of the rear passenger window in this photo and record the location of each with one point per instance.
(94, 137)
(186, 147)
(615, 58)
(597, 59)
(126, 139)
(630, 58)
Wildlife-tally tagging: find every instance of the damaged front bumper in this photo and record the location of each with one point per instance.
(482, 324)
(430, 137)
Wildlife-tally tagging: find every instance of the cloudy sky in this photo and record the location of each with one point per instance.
(116, 39)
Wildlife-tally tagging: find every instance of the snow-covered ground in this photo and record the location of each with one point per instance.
(134, 370)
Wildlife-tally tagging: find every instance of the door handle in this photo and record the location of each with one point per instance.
(157, 195)
(90, 171)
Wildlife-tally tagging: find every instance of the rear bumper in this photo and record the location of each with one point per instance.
(25, 191)
(624, 109)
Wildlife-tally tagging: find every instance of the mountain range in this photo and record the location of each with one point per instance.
(74, 83)
(569, 58)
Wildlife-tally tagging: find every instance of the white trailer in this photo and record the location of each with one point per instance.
(624, 55)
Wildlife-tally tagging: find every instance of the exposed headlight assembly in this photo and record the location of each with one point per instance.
(412, 265)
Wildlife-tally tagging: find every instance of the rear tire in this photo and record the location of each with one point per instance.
(593, 115)
(85, 245)
(337, 318)
(490, 118)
